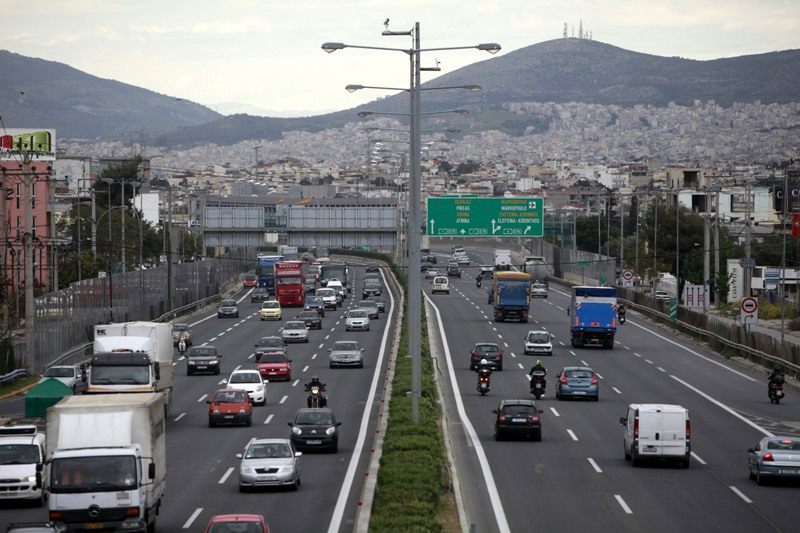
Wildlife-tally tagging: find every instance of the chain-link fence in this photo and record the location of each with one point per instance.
(64, 321)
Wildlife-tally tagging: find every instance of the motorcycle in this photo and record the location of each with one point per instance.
(483, 381)
(478, 283)
(622, 318)
(182, 346)
(776, 389)
(538, 383)
(316, 398)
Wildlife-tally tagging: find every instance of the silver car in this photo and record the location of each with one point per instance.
(346, 353)
(357, 319)
(69, 375)
(269, 463)
(774, 457)
(294, 331)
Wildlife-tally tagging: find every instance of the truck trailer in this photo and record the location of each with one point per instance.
(106, 461)
(511, 296)
(594, 316)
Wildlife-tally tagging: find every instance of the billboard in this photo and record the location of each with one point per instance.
(39, 143)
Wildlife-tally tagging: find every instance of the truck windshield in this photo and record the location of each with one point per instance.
(93, 474)
(18, 454)
(139, 374)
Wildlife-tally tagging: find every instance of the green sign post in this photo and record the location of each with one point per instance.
(485, 217)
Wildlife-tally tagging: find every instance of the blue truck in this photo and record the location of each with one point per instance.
(511, 296)
(265, 270)
(593, 320)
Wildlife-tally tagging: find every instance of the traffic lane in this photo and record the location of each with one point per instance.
(343, 391)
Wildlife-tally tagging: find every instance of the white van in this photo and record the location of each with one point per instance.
(657, 431)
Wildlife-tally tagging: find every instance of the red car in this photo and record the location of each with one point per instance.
(249, 280)
(230, 406)
(273, 366)
(250, 523)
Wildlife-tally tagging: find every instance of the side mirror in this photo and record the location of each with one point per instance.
(568, 311)
(623, 421)
(330, 349)
(289, 424)
(338, 424)
(157, 371)
(208, 402)
(750, 450)
(494, 411)
(239, 455)
(541, 411)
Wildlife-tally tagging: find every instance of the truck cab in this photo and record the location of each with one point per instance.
(22, 453)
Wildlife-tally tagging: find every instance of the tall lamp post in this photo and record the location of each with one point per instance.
(414, 223)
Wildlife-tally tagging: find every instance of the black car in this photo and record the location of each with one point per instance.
(311, 319)
(429, 258)
(228, 309)
(453, 271)
(259, 294)
(517, 418)
(315, 303)
(203, 359)
(486, 350)
(371, 289)
(372, 267)
(269, 345)
(311, 286)
(315, 429)
(380, 302)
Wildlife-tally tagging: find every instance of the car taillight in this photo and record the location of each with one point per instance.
(688, 429)
(501, 418)
(768, 457)
(474, 354)
(535, 419)
(594, 379)
(499, 354)
(636, 428)
(563, 379)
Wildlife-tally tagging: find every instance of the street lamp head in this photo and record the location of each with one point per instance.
(353, 88)
(492, 48)
(363, 114)
(332, 47)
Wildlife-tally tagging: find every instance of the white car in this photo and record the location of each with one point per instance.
(336, 285)
(69, 375)
(538, 341)
(539, 290)
(357, 319)
(294, 331)
(250, 381)
(440, 284)
(329, 297)
(463, 259)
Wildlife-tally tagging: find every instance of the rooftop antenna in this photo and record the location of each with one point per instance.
(565, 30)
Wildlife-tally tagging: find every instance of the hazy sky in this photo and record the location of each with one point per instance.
(267, 53)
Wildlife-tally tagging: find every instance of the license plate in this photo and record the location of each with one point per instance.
(203, 367)
(228, 417)
(518, 420)
(789, 471)
(313, 442)
(267, 478)
(93, 525)
(578, 392)
(538, 386)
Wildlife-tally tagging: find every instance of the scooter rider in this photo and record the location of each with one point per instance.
(776, 377)
(478, 280)
(315, 382)
(484, 368)
(621, 312)
(182, 344)
(538, 367)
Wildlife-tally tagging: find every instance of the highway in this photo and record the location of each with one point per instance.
(202, 478)
(576, 479)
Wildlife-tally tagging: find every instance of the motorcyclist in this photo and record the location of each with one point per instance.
(621, 311)
(776, 377)
(315, 382)
(484, 368)
(538, 367)
(182, 343)
(478, 280)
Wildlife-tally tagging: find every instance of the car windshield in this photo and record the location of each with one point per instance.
(268, 451)
(313, 418)
(59, 373)
(313, 300)
(538, 337)
(578, 374)
(270, 305)
(177, 328)
(784, 444)
(325, 292)
(367, 303)
(245, 377)
(230, 397)
(357, 314)
(345, 346)
(270, 343)
(518, 410)
(202, 352)
(295, 325)
(273, 358)
(249, 277)
(227, 303)
(486, 348)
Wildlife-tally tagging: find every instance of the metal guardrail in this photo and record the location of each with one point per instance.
(13, 375)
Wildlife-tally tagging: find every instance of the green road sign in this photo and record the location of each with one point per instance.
(485, 217)
(583, 264)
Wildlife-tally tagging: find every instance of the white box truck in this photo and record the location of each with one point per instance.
(106, 461)
(22, 454)
(132, 357)
(502, 260)
(657, 431)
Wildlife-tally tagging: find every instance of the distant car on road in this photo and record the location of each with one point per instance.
(346, 353)
(259, 294)
(454, 271)
(274, 366)
(277, 457)
(226, 523)
(230, 406)
(250, 381)
(249, 280)
(357, 319)
(662, 296)
(431, 273)
(517, 418)
(315, 429)
(294, 331)
(228, 309)
(270, 310)
(69, 375)
(204, 359)
(577, 382)
(538, 341)
(311, 318)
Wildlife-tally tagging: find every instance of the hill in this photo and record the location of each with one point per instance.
(559, 71)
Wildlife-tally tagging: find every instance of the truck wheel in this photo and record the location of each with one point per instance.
(151, 527)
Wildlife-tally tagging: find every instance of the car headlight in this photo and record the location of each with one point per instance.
(192, 363)
(242, 411)
(296, 430)
(247, 470)
(259, 388)
(287, 469)
(330, 431)
(215, 412)
(31, 478)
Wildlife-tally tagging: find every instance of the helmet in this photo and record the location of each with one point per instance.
(538, 361)
(484, 362)
(314, 378)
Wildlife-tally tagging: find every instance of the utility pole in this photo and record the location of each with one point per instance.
(4, 237)
(27, 178)
(122, 222)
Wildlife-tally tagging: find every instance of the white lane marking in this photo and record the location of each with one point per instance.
(648, 361)
(314, 356)
(584, 363)
(296, 382)
(513, 354)
(555, 413)
(327, 337)
(520, 366)
(723, 406)
(283, 399)
(740, 494)
(494, 496)
(201, 398)
(305, 368)
(179, 417)
(225, 476)
(192, 518)
(623, 504)
(269, 418)
(572, 434)
(695, 353)
(697, 458)
(616, 390)
(320, 346)
(600, 376)
(594, 465)
(637, 354)
(660, 369)
(572, 353)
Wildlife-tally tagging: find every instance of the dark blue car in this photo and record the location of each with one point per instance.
(577, 382)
